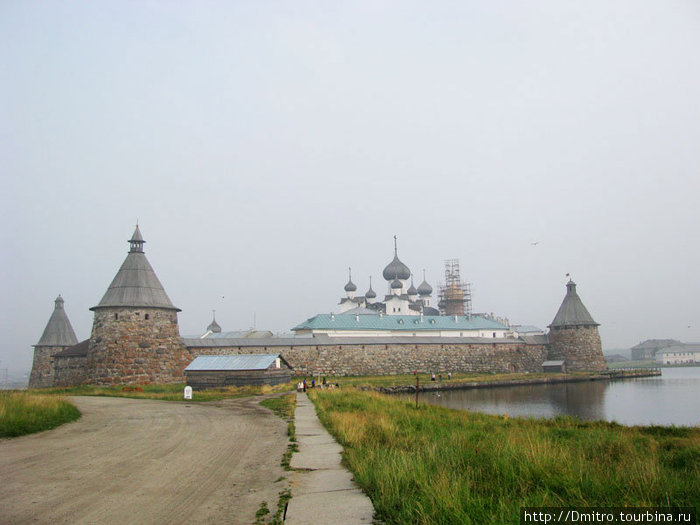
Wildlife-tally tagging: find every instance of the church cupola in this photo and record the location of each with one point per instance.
(350, 288)
(214, 327)
(425, 290)
(371, 295)
(396, 286)
(412, 292)
(396, 269)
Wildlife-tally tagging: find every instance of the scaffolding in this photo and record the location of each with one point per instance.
(455, 295)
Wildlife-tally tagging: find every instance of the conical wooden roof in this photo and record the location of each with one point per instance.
(572, 312)
(136, 284)
(58, 331)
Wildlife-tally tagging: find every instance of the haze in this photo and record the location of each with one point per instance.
(264, 147)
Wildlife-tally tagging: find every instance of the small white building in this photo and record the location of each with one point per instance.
(680, 354)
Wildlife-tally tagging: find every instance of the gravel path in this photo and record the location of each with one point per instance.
(142, 461)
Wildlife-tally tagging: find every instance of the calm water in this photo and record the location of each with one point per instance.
(672, 399)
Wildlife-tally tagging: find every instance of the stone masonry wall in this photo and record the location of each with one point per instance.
(381, 359)
(579, 346)
(42, 374)
(70, 370)
(135, 346)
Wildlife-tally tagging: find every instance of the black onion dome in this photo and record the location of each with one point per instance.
(412, 290)
(396, 270)
(396, 284)
(424, 289)
(371, 294)
(350, 287)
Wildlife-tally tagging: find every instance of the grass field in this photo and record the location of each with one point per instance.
(24, 412)
(170, 392)
(434, 465)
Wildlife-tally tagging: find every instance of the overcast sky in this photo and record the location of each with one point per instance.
(264, 147)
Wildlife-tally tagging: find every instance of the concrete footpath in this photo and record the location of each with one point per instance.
(324, 492)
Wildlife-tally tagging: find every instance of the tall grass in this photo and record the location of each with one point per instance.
(24, 413)
(430, 465)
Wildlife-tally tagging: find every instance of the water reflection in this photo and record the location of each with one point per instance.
(671, 399)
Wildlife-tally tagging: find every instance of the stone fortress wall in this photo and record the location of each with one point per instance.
(397, 358)
(43, 366)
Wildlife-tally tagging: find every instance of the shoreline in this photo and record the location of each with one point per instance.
(606, 375)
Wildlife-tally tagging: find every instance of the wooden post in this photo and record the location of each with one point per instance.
(416, 390)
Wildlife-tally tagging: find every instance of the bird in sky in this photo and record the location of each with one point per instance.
(534, 243)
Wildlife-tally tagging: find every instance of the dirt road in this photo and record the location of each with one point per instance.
(140, 461)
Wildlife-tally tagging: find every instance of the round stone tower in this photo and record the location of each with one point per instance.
(135, 336)
(574, 336)
(58, 335)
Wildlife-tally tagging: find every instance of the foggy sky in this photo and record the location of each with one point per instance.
(264, 147)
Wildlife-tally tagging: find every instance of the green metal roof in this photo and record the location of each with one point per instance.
(408, 323)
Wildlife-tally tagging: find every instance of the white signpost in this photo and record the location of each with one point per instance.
(188, 392)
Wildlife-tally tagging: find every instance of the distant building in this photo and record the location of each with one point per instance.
(679, 354)
(646, 350)
(517, 330)
(214, 331)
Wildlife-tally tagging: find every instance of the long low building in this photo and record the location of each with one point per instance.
(679, 354)
(215, 371)
(380, 325)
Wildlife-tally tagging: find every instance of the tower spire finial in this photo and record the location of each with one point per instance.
(396, 251)
(136, 242)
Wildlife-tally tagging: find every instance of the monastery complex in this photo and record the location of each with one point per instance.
(135, 336)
